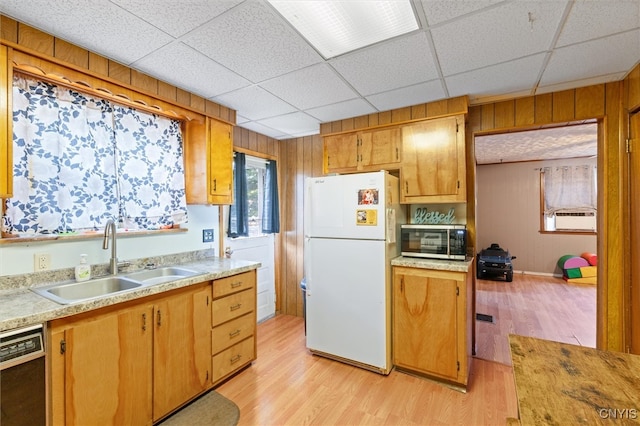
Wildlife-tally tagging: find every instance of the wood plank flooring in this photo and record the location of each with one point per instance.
(535, 306)
(287, 385)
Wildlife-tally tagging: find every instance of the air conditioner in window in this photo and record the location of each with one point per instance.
(576, 220)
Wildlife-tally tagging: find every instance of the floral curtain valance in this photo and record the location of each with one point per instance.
(78, 161)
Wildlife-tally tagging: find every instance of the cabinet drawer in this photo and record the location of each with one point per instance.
(232, 306)
(233, 358)
(232, 332)
(234, 283)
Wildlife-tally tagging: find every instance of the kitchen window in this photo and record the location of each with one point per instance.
(255, 209)
(79, 161)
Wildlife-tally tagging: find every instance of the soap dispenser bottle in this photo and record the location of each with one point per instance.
(83, 269)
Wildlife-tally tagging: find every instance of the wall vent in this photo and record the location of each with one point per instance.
(576, 221)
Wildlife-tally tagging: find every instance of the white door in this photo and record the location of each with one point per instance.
(259, 249)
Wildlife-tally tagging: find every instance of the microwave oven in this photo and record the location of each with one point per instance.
(447, 242)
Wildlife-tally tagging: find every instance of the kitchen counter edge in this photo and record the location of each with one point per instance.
(438, 264)
(22, 307)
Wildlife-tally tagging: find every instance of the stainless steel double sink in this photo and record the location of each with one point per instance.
(67, 293)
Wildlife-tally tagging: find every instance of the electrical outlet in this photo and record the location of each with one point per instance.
(41, 261)
(207, 235)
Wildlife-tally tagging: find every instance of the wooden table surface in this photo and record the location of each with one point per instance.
(563, 384)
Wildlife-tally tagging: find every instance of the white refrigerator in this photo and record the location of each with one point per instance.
(351, 225)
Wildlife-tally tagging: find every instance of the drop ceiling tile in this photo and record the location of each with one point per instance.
(264, 130)
(438, 11)
(297, 123)
(190, 70)
(617, 53)
(412, 95)
(310, 87)
(255, 103)
(170, 16)
(593, 19)
(508, 77)
(252, 41)
(496, 35)
(340, 110)
(390, 65)
(608, 78)
(113, 32)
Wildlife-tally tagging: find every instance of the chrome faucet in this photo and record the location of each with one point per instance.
(110, 229)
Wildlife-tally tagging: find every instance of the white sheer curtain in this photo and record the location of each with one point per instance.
(569, 187)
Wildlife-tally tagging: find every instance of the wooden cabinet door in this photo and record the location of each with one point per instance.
(378, 148)
(101, 369)
(220, 167)
(6, 134)
(341, 153)
(433, 161)
(182, 349)
(425, 328)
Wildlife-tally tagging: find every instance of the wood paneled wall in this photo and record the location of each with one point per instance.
(602, 102)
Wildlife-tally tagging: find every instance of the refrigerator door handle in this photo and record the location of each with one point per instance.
(305, 265)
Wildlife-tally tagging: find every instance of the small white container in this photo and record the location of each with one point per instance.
(83, 269)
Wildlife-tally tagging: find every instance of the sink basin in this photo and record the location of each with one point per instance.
(161, 275)
(81, 291)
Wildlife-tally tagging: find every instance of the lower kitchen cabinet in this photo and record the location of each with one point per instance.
(182, 349)
(233, 319)
(432, 323)
(131, 363)
(101, 367)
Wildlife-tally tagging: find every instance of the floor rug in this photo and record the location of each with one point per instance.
(209, 409)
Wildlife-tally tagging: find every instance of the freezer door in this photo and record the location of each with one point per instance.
(346, 299)
(346, 206)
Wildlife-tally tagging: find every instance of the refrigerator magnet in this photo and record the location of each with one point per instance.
(367, 196)
(367, 217)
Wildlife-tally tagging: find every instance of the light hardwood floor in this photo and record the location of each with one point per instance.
(536, 306)
(287, 385)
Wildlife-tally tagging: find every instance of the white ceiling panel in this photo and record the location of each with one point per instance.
(418, 94)
(255, 103)
(244, 55)
(190, 70)
(596, 18)
(489, 81)
(497, 35)
(268, 46)
(310, 87)
(438, 11)
(593, 58)
(103, 27)
(397, 63)
(340, 110)
(169, 16)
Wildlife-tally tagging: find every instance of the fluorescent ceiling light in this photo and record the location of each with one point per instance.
(336, 27)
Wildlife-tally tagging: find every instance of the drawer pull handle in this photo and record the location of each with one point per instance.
(236, 284)
(234, 333)
(236, 359)
(235, 307)
(144, 322)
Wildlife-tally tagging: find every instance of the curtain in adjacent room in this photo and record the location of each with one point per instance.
(271, 213)
(569, 187)
(239, 210)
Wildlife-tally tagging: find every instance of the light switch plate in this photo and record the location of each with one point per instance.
(207, 235)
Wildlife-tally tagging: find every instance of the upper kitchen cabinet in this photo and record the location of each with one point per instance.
(208, 162)
(433, 161)
(364, 151)
(6, 135)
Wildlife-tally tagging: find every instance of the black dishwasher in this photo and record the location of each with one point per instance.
(22, 377)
